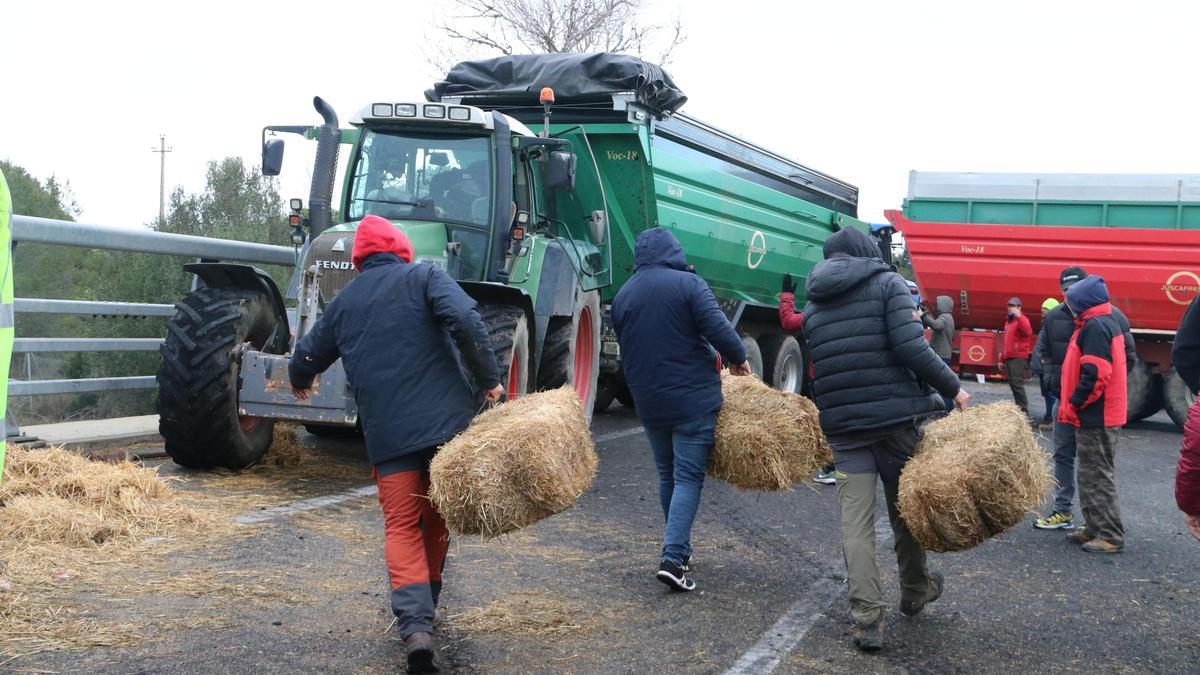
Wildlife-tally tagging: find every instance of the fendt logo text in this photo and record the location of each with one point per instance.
(335, 265)
(1182, 287)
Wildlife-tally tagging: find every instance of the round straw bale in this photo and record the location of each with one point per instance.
(975, 474)
(516, 464)
(766, 439)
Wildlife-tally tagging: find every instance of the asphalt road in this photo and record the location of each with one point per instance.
(769, 568)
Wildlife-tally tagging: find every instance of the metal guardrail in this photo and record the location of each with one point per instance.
(136, 240)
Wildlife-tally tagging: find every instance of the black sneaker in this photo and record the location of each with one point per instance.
(687, 565)
(673, 575)
(933, 592)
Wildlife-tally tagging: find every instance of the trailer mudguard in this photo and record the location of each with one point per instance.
(247, 277)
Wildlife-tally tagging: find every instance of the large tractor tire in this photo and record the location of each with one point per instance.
(783, 362)
(571, 352)
(1143, 392)
(508, 328)
(1177, 398)
(754, 356)
(199, 379)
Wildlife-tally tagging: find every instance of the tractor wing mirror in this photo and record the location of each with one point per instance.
(560, 171)
(272, 157)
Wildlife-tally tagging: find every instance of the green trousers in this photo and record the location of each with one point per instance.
(856, 493)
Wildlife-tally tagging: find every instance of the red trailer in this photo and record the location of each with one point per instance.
(1152, 270)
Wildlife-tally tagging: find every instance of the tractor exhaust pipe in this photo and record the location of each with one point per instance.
(320, 197)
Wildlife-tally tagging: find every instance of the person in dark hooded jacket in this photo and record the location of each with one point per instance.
(876, 378)
(667, 323)
(940, 322)
(1092, 399)
(400, 330)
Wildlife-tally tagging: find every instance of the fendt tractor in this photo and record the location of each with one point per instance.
(539, 228)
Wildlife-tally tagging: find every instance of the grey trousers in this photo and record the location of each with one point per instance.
(1097, 449)
(1015, 369)
(856, 494)
(1063, 437)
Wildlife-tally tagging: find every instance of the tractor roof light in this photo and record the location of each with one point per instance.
(547, 96)
(421, 112)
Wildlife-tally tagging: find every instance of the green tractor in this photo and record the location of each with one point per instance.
(539, 228)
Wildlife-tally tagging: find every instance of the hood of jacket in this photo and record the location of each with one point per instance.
(378, 235)
(944, 304)
(833, 277)
(850, 242)
(1086, 294)
(657, 246)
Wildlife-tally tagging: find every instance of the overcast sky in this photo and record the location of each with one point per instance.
(861, 90)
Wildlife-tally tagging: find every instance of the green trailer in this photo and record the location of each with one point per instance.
(538, 227)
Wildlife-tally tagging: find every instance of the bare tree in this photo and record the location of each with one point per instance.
(480, 28)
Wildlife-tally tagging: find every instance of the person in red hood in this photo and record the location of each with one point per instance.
(400, 330)
(1018, 345)
(1092, 399)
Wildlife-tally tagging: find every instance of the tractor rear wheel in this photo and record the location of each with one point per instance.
(1177, 398)
(200, 375)
(508, 328)
(571, 351)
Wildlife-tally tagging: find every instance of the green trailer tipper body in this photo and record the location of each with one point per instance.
(744, 215)
(1158, 201)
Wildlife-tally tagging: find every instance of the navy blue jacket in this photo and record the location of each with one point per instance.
(395, 327)
(666, 317)
(1185, 355)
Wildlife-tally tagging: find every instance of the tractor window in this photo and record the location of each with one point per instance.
(423, 177)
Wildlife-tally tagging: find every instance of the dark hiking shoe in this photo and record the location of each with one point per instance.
(673, 575)
(1099, 545)
(420, 654)
(932, 593)
(869, 638)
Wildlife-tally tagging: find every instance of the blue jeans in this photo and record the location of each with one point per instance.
(1064, 464)
(681, 455)
(1048, 395)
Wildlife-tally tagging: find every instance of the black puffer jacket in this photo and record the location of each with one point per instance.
(872, 367)
(1058, 326)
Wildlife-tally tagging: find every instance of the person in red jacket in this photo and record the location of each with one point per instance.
(1018, 344)
(1092, 399)
(793, 322)
(1185, 356)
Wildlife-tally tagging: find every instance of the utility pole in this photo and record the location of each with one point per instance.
(162, 151)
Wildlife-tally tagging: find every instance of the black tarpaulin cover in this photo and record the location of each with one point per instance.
(573, 77)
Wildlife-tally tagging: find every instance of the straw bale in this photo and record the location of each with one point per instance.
(975, 474)
(766, 439)
(515, 465)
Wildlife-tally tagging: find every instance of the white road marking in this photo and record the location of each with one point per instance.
(604, 438)
(306, 505)
(781, 638)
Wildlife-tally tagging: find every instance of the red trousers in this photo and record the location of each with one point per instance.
(415, 544)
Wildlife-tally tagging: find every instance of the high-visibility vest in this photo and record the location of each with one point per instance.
(7, 331)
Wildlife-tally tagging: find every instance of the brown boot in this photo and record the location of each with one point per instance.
(1080, 536)
(933, 592)
(421, 654)
(1099, 545)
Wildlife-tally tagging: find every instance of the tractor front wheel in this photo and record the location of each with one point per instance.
(200, 375)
